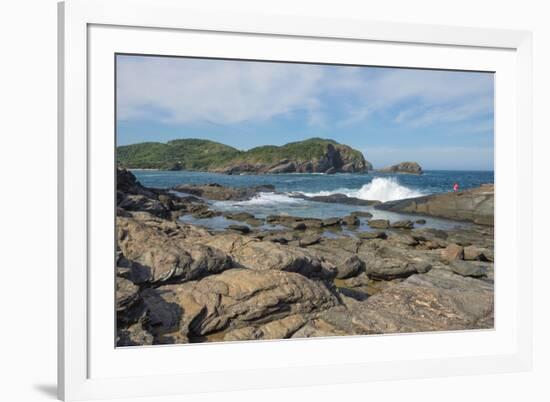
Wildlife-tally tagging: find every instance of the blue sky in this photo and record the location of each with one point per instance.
(441, 119)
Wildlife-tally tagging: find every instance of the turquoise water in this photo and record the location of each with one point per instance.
(372, 186)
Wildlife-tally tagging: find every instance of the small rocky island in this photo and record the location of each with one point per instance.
(315, 155)
(182, 283)
(403, 167)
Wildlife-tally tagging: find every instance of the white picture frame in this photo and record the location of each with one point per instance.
(90, 32)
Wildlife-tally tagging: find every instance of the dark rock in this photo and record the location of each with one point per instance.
(238, 216)
(138, 202)
(133, 335)
(431, 233)
(313, 223)
(298, 226)
(254, 222)
(371, 235)
(421, 221)
(350, 220)
(206, 213)
(279, 237)
(391, 268)
(355, 294)
(287, 220)
(349, 267)
(331, 222)
(402, 224)
(285, 167)
(466, 268)
(126, 294)
(218, 192)
(379, 223)
(122, 212)
(239, 228)
(126, 183)
(309, 240)
(362, 214)
(403, 239)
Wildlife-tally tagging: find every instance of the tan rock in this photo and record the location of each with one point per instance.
(476, 205)
(168, 251)
(452, 252)
(265, 255)
(237, 298)
(431, 302)
(472, 253)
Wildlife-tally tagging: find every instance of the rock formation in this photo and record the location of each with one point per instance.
(403, 167)
(476, 205)
(180, 283)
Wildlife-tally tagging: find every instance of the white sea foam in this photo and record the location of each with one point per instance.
(265, 199)
(380, 189)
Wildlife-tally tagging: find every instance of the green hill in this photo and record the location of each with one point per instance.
(312, 155)
(189, 154)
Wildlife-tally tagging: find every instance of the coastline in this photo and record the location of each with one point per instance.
(284, 276)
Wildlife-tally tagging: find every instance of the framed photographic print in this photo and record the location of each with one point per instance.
(260, 201)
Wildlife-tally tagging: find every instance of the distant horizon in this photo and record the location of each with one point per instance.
(441, 119)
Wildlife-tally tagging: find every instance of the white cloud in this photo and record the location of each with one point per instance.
(226, 92)
(425, 97)
(187, 90)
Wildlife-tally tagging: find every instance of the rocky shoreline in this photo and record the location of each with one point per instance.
(182, 283)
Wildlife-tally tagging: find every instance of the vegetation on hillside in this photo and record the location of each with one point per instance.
(205, 155)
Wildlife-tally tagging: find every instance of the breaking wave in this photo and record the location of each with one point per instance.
(380, 189)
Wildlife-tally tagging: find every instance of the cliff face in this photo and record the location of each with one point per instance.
(310, 156)
(315, 155)
(403, 167)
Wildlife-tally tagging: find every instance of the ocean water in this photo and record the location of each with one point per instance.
(372, 186)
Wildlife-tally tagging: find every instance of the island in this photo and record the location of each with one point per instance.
(314, 155)
(403, 167)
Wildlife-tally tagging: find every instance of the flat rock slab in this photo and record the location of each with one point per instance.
(475, 205)
(379, 223)
(392, 268)
(221, 193)
(435, 301)
(468, 268)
